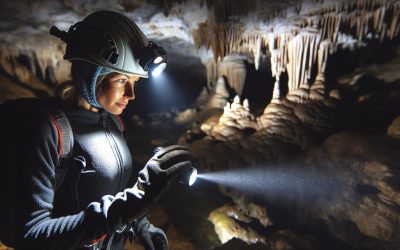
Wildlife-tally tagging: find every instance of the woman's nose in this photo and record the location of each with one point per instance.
(129, 91)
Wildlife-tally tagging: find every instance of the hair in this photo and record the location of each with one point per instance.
(69, 92)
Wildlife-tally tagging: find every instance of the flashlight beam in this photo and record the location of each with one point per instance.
(282, 182)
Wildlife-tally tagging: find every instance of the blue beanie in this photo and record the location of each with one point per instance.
(85, 76)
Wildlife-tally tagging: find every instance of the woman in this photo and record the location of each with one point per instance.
(93, 207)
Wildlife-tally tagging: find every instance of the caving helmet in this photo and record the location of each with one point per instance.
(113, 41)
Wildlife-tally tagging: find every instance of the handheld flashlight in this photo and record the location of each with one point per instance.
(189, 176)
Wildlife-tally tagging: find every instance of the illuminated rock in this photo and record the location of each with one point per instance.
(43, 60)
(315, 115)
(221, 95)
(235, 122)
(226, 227)
(298, 95)
(248, 207)
(234, 69)
(207, 125)
(394, 128)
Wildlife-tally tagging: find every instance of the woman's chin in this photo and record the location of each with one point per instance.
(115, 110)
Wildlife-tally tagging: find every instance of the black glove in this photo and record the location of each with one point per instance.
(156, 177)
(162, 170)
(151, 237)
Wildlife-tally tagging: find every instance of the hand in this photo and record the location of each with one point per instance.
(154, 179)
(162, 170)
(151, 237)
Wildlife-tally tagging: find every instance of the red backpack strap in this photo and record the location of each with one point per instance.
(63, 129)
(59, 133)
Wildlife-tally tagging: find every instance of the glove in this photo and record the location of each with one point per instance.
(162, 170)
(154, 179)
(151, 237)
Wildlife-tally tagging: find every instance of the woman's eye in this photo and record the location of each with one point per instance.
(121, 81)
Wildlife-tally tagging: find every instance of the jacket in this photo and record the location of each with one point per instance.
(73, 216)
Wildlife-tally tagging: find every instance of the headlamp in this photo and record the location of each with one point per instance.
(153, 59)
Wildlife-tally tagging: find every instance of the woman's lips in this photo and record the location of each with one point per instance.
(122, 105)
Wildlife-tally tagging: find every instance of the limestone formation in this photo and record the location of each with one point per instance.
(234, 69)
(394, 128)
(248, 208)
(24, 61)
(226, 228)
(302, 44)
(364, 168)
(368, 193)
(221, 95)
(234, 122)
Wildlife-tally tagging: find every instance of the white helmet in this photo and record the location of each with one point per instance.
(112, 40)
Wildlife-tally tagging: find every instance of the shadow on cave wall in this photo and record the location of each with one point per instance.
(258, 87)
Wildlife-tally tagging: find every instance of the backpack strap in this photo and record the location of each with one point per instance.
(65, 135)
(62, 128)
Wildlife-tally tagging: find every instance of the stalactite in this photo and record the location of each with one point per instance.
(279, 58)
(234, 69)
(257, 52)
(302, 51)
(330, 26)
(212, 72)
(325, 48)
(318, 88)
(394, 26)
(278, 49)
(293, 45)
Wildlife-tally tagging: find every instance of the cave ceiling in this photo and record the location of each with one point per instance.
(315, 82)
(286, 34)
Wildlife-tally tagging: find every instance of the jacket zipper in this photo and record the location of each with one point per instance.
(114, 147)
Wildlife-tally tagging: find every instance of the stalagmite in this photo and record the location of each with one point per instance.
(221, 95)
(276, 94)
(246, 105)
(234, 122)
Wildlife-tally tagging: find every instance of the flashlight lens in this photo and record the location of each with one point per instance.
(157, 71)
(193, 177)
(158, 60)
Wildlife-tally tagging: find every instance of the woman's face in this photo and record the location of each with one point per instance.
(115, 91)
